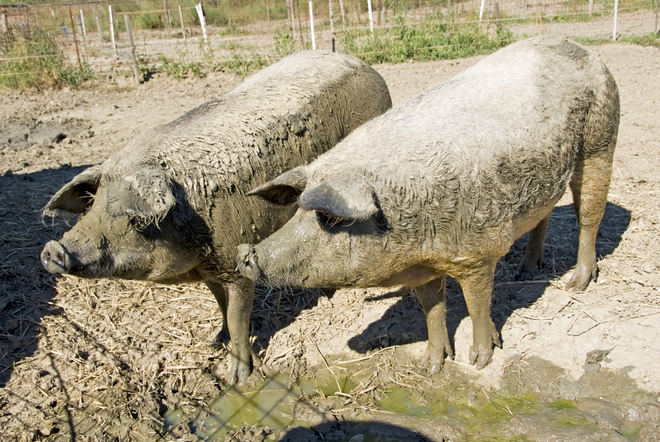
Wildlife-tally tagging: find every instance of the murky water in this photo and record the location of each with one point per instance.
(535, 403)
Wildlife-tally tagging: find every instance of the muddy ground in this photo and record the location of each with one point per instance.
(116, 360)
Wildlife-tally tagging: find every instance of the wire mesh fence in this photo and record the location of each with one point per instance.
(93, 35)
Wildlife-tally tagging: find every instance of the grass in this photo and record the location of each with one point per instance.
(38, 62)
(433, 40)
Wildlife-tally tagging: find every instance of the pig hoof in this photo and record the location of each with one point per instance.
(434, 361)
(480, 357)
(239, 372)
(581, 277)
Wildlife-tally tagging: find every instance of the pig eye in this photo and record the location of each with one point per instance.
(328, 220)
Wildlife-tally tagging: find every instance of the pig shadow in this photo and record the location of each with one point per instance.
(404, 322)
(26, 288)
(353, 430)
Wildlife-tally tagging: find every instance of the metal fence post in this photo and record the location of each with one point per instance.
(112, 31)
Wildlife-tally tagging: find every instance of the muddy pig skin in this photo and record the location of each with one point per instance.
(444, 183)
(170, 207)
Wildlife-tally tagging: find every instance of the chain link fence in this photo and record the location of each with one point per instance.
(93, 36)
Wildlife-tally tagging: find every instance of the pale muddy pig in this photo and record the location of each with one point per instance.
(444, 183)
(169, 206)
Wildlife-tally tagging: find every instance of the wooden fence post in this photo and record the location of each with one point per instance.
(183, 28)
(75, 40)
(136, 69)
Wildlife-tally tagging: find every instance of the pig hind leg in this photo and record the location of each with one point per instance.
(534, 251)
(591, 178)
(433, 300)
(589, 185)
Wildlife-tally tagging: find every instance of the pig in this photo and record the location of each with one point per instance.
(169, 206)
(444, 183)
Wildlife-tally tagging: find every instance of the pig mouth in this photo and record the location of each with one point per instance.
(55, 258)
(59, 260)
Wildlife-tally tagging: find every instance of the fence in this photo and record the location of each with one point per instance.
(93, 33)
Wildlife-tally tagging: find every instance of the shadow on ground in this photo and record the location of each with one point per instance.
(26, 289)
(404, 323)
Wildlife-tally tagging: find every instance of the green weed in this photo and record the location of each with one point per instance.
(243, 65)
(36, 61)
(433, 40)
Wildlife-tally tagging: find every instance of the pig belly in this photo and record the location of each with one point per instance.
(527, 221)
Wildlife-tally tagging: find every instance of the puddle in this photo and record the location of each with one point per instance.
(536, 402)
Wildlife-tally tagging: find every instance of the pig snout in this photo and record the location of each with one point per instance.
(55, 258)
(246, 262)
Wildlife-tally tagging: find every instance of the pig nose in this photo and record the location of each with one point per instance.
(55, 258)
(246, 261)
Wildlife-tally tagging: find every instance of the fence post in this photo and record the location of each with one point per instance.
(591, 7)
(136, 69)
(202, 21)
(371, 18)
(343, 16)
(84, 31)
(183, 29)
(311, 24)
(112, 31)
(75, 40)
(332, 26)
(267, 11)
(616, 17)
(98, 28)
(289, 4)
(481, 11)
(168, 17)
(3, 24)
(300, 31)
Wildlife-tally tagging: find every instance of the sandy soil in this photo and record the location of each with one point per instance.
(101, 359)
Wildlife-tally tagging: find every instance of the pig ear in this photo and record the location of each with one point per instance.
(344, 199)
(284, 189)
(75, 196)
(146, 195)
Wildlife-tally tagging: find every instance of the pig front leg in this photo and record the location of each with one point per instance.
(477, 285)
(235, 301)
(433, 300)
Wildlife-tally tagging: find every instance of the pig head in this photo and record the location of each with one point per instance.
(131, 227)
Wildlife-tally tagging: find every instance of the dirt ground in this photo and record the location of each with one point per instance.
(117, 360)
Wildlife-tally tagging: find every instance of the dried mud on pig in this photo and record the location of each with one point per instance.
(97, 359)
(444, 183)
(169, 206)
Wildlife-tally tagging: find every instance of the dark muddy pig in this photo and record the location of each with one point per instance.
(444, 183)
(169, 206)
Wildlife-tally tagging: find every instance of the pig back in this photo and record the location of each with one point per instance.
(488, 146)
(281, 117)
